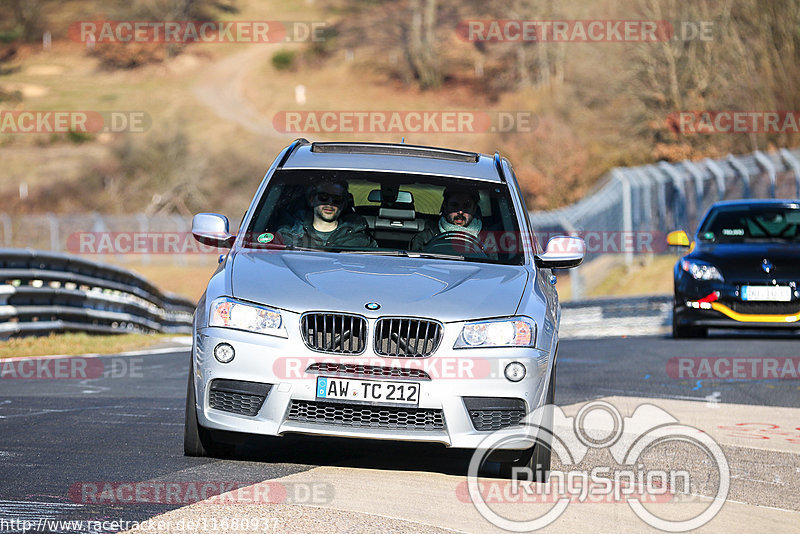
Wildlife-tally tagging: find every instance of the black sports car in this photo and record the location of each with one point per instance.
(742, 269)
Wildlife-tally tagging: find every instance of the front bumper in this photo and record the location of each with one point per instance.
(454, 374)
(695, 305)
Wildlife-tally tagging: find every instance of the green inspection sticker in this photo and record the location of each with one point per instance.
(266, 238)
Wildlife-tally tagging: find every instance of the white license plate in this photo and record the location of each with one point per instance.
(367, 390)
(767, 293)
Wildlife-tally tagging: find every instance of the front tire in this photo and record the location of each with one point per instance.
(680, 331)
(197, 440)
(538, 457)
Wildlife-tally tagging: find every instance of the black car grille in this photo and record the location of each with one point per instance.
(407, 338)
(334, 332)
(363, 416)
(236, 396)
(366, 371)
(764, 308)
(494, 414)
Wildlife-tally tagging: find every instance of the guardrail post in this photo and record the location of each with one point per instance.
(647, 194)
(698, 185)
(765, 163)
(792, 163)
(680, 204)
(55, 242)
(627, 216)
(144, 227)
(6, 229)
(575, 277)
(740, 170)
(718, 174)
(184, 228)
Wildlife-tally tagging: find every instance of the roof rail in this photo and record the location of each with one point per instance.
(296, 143)
(498, 163)
(392, 149)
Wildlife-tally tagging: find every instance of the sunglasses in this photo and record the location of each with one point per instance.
(328, 198)
(459, 206)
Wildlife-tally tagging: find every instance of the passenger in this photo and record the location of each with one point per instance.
(328, 224)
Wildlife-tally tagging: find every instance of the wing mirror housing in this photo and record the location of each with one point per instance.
(562, 252)
(212, 229)
(678, 238)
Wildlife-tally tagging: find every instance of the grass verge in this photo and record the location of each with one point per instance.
(77, 343)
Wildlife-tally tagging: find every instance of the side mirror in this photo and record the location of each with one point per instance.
(678, 238)
(212, 229)
(562, 252)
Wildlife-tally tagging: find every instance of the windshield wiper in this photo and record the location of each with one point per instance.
(280, 246)
(404, 253)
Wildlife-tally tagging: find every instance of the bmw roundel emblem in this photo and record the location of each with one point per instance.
(372, 306)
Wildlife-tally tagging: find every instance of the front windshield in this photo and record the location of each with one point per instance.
(388, 214)
(737, 224)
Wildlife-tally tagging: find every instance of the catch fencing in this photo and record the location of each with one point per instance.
(662, 197)
(658, 198)
(45, 292)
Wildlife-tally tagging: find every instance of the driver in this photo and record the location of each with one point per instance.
(459, 213)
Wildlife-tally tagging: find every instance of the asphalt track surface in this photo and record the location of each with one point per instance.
(56, 434)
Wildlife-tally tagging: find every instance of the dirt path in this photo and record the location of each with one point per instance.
(222, 91)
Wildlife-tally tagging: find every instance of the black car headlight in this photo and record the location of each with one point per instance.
(701, 271)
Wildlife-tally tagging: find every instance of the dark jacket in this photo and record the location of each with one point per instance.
(352, 231)
(421, 239)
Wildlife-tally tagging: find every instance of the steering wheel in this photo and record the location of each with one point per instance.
(455, 241)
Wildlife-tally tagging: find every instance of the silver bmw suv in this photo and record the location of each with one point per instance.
(381, 291)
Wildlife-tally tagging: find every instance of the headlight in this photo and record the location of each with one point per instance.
(701, 271)
(229, 313)
(512, 332)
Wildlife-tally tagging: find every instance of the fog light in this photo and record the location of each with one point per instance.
(515, 371)
(224, 353)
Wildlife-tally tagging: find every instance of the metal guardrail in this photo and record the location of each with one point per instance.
(43, 292)
(616, 316)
